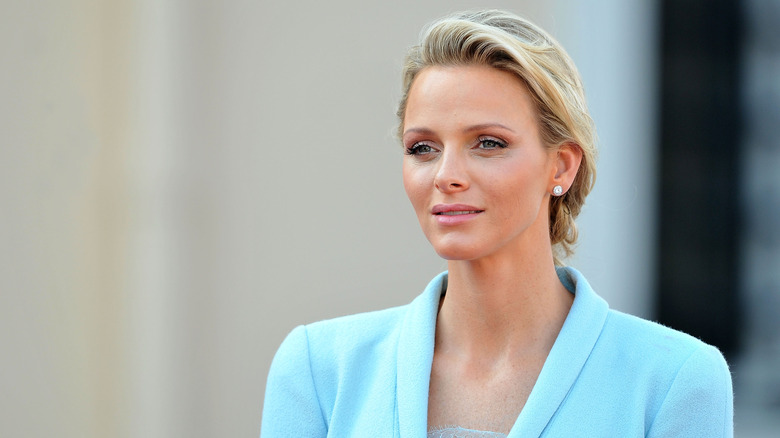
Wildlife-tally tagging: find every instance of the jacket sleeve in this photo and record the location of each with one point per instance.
(700, 401)
(291, 407)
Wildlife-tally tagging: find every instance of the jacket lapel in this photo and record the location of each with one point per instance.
(415, 357)
(568, 355)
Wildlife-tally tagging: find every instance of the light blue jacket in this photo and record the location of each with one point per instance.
(608, 375)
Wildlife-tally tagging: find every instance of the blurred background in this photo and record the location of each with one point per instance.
(183, 182)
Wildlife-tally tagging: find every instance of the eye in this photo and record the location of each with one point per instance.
(419, 149)
(491, 143)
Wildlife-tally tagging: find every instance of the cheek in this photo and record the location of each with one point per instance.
(518, 190)
(412, 184)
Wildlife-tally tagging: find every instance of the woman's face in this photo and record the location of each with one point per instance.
(475, 168)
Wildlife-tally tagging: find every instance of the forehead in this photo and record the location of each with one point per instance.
(468, 94)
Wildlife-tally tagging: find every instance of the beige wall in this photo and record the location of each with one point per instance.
(185, 181)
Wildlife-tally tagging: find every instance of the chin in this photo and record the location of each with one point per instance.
(459, 246)
(457, 252)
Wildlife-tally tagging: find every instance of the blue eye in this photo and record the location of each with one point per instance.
(491, 143)
(419, 149)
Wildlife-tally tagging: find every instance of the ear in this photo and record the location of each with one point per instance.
(567, 163)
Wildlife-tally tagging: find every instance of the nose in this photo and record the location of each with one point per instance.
(451, 175)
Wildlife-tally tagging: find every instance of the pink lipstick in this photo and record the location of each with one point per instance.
(454, 214)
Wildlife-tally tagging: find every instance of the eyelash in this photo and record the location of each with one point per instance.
(414, 149)
(498, 143)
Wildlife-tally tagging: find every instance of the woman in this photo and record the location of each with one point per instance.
(499, 159)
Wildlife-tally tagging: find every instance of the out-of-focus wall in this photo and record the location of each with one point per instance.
(59, 306)
(184, 182)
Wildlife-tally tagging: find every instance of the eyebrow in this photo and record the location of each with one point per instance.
(471, 128)
(488, 125)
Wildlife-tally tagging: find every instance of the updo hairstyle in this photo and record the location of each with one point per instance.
(507, 42)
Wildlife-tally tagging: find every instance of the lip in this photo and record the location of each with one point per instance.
(453, 214)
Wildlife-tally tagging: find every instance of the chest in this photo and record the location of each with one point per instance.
(480, 397)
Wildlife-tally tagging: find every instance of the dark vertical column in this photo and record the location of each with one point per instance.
(700, 135)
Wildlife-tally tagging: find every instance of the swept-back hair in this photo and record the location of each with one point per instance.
(510, 43)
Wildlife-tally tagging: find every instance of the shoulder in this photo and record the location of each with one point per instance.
(654, 350)
(648, 337)
(346, 334)
(343, 335)
(634, 343)
(353, 354)
(633, 349)
(685, 382)
(375, 332)
(316, 362)
(342, 349)
(650, 341)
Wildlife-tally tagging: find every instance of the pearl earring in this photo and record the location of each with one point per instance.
(557, 190)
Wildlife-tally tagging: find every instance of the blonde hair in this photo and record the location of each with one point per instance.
(507, 42)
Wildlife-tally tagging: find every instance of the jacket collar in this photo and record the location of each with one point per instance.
(571, 350)
(568, 355)
(415, 357)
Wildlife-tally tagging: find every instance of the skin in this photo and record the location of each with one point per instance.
(471, 135)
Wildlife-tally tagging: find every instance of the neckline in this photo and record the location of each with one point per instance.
(571, 350)
(449, 431)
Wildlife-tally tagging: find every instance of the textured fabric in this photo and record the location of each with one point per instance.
(461, 432)
(608, 374)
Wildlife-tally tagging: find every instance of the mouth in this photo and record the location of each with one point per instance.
(457, 212)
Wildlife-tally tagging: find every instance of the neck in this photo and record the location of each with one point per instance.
(506, 306)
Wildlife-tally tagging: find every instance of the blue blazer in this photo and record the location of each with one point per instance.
(608, 375)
